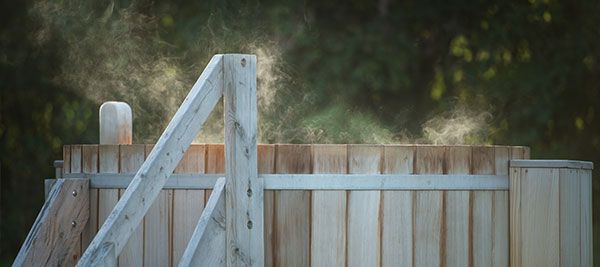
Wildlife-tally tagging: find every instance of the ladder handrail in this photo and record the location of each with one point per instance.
(160, 164)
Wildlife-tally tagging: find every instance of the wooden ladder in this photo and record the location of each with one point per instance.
(63, 216)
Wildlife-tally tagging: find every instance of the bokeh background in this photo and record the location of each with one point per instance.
(351, 71)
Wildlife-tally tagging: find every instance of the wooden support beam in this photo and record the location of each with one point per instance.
(207, 244)
(160, 164)
(56, 230)
(244, 194)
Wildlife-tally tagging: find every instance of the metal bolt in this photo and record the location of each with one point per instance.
(73, 223)
(74, 193)
(249, 192)
(243, 62)
(249, 224)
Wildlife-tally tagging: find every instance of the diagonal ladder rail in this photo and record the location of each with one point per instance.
(154, 172)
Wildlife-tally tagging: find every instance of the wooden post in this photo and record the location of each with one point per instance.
(160, 164)
(550, 213)
(244, 191)
(115, 123)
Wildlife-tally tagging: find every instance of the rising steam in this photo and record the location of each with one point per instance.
(116, 53)
(458, 126)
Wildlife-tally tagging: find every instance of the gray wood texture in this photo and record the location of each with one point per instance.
(55, 232)
(244, 194)
(162, 161)
(207, 244)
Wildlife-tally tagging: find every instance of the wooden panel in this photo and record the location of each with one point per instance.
(292, 209)
(500, 250)
(130, 159)
(207, 243)
(570, 217)
(187, 204)
(157, 223)
(328, 234)
(215, 162)
(482, 208)
(75, 168)
(397, 227)
(540, 217)
(66, 159)
(585, 177)
(428, 208)
(108, 162)
(57, 227)
(457, 222)
(90, 165)
(266, 164)
(363, 208)
(515, 216)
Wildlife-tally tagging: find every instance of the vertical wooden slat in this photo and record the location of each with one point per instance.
(540, 217)
(90, 165)
(397, 227)
(130, 159)
(500, 253)
(570, 217)
(585, 177)
(482, 211)
(266, 164)
(292, 209)
(108, 162)
(75, 168)
(215, 162)
(457, 222)
(157, 228)
(328, 234)
(364, 209)
(515, 216)
(66, 159)
(187, 203)
(428, 208)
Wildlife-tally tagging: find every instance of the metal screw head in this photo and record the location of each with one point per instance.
(243, 62)
(74, 193)
(73, 223)
(249, 224)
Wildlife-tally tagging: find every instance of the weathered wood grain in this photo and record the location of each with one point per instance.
(187, 203)
(292, 209)
(570, 217)
(56, 231)
(586, 240)
(76, 169)
(207, 243)
(328, 225)
(131, 158)
(89, 155)
(108, 162)
(540, 217)
(397, 210)
(428, 208)
(161, 162)
(364, 217)
(500, 246)
(245, 193)
(482, 208)
(266, 164)
(457, 220)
